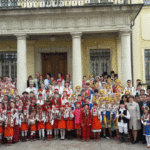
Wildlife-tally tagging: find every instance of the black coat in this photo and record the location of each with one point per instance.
(141, 104)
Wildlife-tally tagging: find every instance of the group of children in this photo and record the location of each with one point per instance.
(31, 118)
(87, 113)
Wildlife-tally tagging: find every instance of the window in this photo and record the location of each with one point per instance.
(8, 64)
(99, 61)
(147, 65)
(146, 2)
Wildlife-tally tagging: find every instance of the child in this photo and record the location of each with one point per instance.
(123, 119)
(55, 110)
(77, 121)
(103, 113)
(62, 122)
(32, 123)
(78, 90)
(9, 131)
(86, 122)
(24, 124)
(146, 123)
(108, 115)
(2, 119)
(96, 97)
(49, 123)
(40, 117)
(69, 122)
(96, 122)
(114, 121)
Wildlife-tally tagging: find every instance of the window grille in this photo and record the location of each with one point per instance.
(8, 64)
(99, 61)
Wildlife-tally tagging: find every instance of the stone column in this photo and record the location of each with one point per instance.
(125, 57)
(76, 59)
(21, 63)
(118, 40)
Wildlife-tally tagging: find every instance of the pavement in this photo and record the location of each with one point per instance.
(103, 144)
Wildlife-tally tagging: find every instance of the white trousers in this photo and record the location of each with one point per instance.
(123, 129)
(148, 140)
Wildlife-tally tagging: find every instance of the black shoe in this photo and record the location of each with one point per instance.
(143, 142)
(133, 142)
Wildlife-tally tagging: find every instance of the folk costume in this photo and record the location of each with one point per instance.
(86, 123)
(55, 126)
(145, 120)
(69, 122)
(2, 119)
(96, 122)
(77, 120)
(40, 117)
(62, 122)
(24, 118)
(9, 128)
(123, 122)
(32, 123)
(49, 123)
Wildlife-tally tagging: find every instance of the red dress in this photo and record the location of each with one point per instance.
(69, 122)
(62, 122)
(96, 124)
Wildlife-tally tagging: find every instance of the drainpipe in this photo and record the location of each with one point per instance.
(132, 24)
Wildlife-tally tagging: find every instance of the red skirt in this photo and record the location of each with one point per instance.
(62, 124)
(49, 126)
(77, 126)
(1, 130)
(41, 125)
(69, 124)
(9, 131)
(55, 126)
(33, 127)
(24, 127)
(96, 124)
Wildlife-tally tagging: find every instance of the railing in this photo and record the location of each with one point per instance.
(146, 2)
(13, 4)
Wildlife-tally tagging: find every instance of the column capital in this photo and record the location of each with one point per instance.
(21, 36)
(125, 32)
(76, 34)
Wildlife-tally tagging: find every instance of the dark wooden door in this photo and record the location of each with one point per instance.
(54, 63)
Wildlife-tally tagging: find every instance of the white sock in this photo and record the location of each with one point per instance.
(22, 133)
(61, 133)
(43, 133)
(40, 133)
(32, 132)
(64, 133)
(148, 140)
(50, 132)
(25, 133)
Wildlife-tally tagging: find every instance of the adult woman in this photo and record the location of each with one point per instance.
(125, 99)
(40, 81)
(134, 122)
(68, 80)
(47, 80)
(28, 81)
(60, 78)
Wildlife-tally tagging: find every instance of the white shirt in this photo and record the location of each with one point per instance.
(122, 124)
(31, 90)
(41, 102)
(46, 83)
